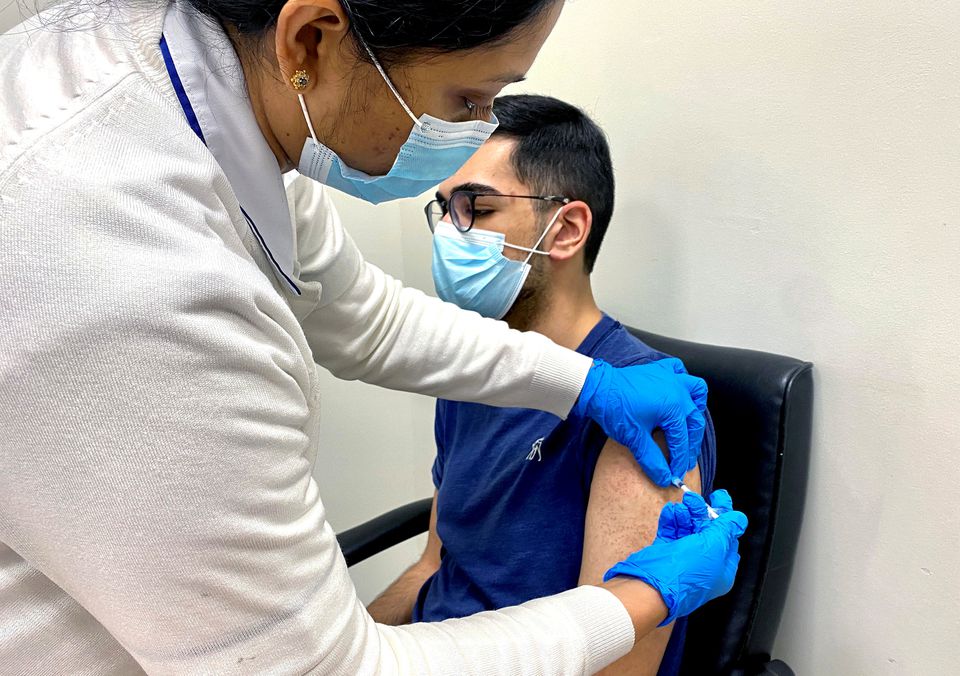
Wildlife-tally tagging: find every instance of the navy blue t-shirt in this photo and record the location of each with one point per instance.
(513, 486)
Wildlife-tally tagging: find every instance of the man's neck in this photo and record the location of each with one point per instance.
(567, 318)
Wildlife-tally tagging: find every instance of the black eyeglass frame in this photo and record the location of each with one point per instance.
(473, 195)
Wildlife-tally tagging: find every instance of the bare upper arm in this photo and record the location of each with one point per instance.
(622, 516)
(395, 605)
(431, 553)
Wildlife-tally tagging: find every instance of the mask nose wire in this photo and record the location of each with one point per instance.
(386, 78)
(533, 250)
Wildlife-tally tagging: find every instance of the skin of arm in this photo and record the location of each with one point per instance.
(622, 516)
(395, 605)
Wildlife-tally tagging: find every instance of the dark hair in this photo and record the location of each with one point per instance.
(560, 151)
(397, 29)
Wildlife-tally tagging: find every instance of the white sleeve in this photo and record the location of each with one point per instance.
(160, 429)
(368, 326)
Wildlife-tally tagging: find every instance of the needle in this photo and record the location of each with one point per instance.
(683, 487)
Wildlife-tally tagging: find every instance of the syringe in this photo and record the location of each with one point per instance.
(683, 487)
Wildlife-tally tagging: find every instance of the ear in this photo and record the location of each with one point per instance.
(569, 234)
(309, 35)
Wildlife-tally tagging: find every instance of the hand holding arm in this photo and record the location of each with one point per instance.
(630, 403)
(694, 558)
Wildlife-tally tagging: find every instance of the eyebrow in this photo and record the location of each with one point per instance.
(479, 188)
(510, 78)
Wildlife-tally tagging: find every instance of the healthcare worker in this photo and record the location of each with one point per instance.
(165, 301)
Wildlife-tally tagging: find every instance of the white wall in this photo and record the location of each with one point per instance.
(12, 12)
(9, 14)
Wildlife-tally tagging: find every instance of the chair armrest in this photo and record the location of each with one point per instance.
(759, 665)
(361, 542)
(775, 668)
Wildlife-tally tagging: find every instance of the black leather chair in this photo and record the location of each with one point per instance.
(762, 408)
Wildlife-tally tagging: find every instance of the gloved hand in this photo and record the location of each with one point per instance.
(630, 403)
(694, 558)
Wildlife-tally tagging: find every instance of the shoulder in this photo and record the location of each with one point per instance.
(74, 63)
(105, 204)
(128, 142)
(111, 193)
(95, 152)
(467, 420)
(125, 231)
(619, 347)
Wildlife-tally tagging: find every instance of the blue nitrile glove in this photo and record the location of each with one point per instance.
(629, 403)
(694, 558)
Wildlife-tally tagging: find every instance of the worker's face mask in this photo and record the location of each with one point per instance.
(469, 268)
(433, 152)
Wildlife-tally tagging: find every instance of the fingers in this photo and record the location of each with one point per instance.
(672, 364)
(697, 387)
(678, 442)
(696, 424)
(696, 506)
(721, 501)
(674, 522)
(733, 523)
(651, 459)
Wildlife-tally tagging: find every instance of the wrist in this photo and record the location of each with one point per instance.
(643, 603)
(581, 407)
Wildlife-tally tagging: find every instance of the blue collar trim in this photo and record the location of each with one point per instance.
(195, 126)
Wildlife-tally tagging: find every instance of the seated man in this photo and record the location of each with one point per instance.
(527, 504)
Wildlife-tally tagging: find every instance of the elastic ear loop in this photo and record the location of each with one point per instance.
(386, 78)
(535, 250)
(306, 116)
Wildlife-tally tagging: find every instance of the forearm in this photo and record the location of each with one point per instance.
(395, 605)
(645, 657)
(367, 326)
(396, 337)
(643, 603)
(577, 632)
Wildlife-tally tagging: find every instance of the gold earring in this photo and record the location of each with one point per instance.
(300, 80)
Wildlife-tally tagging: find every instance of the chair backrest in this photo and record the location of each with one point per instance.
(761, 406)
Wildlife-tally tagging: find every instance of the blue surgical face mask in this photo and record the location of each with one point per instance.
(433, 152)
(469, 268)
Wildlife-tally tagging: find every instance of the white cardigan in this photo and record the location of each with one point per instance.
(159, 411)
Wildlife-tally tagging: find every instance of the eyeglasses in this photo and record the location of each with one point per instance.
(463, 210)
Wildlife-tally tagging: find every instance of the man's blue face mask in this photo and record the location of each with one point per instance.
(470, 270)
(433, 152)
